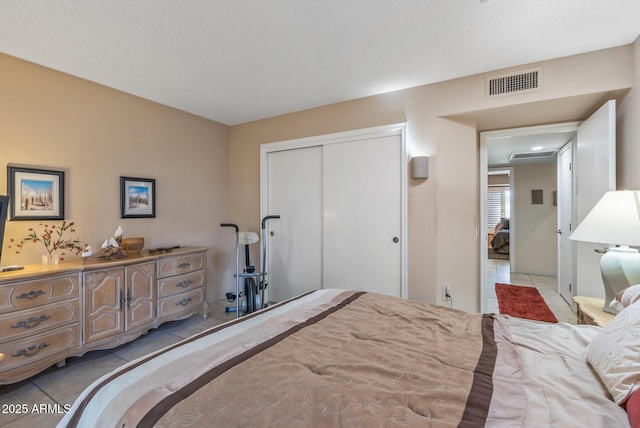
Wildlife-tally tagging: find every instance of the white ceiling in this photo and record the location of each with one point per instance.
(235, 61)
(501, 148)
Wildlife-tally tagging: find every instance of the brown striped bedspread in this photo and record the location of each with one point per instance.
(338, 358)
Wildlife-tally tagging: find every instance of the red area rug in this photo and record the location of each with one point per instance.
(523, 302)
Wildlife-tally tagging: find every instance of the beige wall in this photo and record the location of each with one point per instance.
(443, 120)
(534, 226)
(498, 180)
(208, 173)
(628, 131)
(95, 134)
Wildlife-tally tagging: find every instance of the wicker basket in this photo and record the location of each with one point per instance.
(133, 245)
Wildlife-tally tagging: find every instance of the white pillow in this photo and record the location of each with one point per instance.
(615, 353)
(626, 297)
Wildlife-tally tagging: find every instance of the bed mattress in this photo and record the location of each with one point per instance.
(346, 358)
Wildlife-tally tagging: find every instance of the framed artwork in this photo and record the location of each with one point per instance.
(35, 194)
(536, 197)
(137, 197)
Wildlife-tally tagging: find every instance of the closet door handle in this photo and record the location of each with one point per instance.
(396, 240)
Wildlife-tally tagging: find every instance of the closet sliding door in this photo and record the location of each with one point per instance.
(341, 204)
(295, 240)
(362, 215)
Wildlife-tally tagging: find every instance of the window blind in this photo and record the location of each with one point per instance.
(498, 205)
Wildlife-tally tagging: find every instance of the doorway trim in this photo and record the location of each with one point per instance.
(341, 137)
(484, 169)
(563, 200)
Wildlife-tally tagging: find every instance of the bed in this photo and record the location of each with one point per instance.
(500, 240)
(345, 358)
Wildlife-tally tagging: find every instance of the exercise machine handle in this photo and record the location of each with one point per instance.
(237, 275)
(269, 217)
(235, 226)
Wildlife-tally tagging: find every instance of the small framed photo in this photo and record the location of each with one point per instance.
(35, 194)
(137, 197)
(536, 197)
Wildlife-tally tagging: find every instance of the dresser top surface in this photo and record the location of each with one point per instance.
(79, 265)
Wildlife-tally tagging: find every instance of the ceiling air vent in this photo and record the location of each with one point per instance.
(514, 83)
(531, 155)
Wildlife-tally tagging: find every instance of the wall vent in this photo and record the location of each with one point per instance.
(531, 155)
(514, 83)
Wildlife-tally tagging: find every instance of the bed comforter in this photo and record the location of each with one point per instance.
(500, 241)
(344, 358)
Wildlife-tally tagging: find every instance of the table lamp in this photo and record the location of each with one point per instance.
(615, 220)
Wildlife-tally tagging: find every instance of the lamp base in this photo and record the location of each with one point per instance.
(620, 268)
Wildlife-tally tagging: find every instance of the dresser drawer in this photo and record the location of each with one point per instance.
(37, 292)
(31, 321)
(188, 302)
(34, 348)
(181, 264)
(180, 283)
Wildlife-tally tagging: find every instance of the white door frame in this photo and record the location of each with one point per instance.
(484, 169)
(563, 233)
(340, 137)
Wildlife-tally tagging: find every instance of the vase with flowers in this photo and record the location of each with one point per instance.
(55, 241)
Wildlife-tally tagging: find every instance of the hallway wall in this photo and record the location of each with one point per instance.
(536, 250)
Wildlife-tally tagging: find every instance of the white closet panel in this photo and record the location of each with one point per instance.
(295, 250)
(362, 215)
(341, 201)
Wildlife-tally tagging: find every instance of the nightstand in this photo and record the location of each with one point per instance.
(589, 311)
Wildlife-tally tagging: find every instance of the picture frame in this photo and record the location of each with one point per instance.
(536, 197)
(35, 194)
(137, 197)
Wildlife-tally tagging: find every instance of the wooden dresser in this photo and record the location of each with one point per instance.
(50, 313)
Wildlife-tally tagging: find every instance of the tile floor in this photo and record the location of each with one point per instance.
(63, 385)
(499, 271)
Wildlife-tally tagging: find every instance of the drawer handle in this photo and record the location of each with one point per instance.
(184, 302)
(31, 350)
(184, 265)
(30, 295)
(30, 322)
(184, 283)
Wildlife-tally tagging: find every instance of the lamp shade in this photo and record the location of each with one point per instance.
(614, 220)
